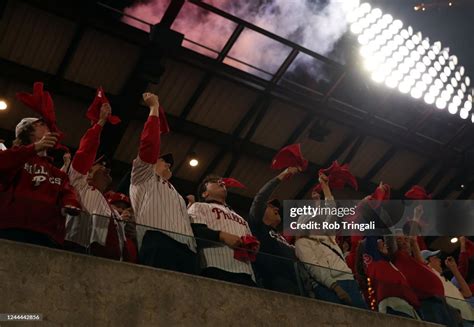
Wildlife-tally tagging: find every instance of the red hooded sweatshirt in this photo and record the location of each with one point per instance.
(33, 192)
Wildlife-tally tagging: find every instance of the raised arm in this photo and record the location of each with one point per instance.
(259, 204)
(85, 155)
(149, 149)
(463, 286)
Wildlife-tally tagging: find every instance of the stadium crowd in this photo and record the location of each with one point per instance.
(72, 208)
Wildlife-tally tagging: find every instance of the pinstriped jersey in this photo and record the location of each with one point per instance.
(157, 204)
(92, 224)
(221, 218)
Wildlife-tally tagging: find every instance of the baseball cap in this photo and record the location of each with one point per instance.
(24, 123)
(426, 254)
(168, 158)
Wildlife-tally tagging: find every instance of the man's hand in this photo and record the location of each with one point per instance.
(151, 100)
(48, 141)
(230, 240)
(105, 112)
(418, 212)
(323, 179)
(191, 199)
(451, 263)
(290, 171)
(341, 294)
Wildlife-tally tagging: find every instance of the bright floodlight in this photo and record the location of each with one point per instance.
(457, 100)
(421, 50)
(468, 105)
(434, 91)
(443, 77)
(440, 103)
(447, 71)
(378, 76)
(415, 74)
(429, 99)
(452, 65)
(431, 55)
(427, 78)
(433, 73)
(454, 82)
(391, 82)
(441, 60)
(452, 108)
(426, 43)
(464, 114)
(404, 87)
(365, 8)
(420, 67)
(356, 28)
(387, 18)
(421, 86)
(416, 38)
(454, 60)
(399, 58)
(426, 61)
(416, 93)
(3, 105)
(377, 13)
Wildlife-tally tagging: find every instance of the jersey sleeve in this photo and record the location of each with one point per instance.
(85, 155)
(142, 168)
(197, 214)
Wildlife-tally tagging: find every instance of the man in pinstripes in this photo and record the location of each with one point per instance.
(96, 228)
(215, 221)
(166, 239)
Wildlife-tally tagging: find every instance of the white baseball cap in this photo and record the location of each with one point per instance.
(24, 123)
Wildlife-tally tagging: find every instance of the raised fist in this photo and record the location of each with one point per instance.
(151, 100)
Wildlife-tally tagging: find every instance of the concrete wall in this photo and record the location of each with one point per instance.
(76, 290)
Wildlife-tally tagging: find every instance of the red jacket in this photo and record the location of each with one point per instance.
(33, 192)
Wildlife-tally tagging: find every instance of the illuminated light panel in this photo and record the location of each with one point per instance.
(401, 58)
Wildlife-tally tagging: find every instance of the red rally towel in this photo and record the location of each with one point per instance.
(338, 175)
(232, 182)
(417, 193)
(289, 156)
(93, 112)
(42, 103)
(248, 250)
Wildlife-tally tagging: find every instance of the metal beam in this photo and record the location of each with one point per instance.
(433, 183)
(208, 76)
(380, 163)
(310, 116)
(171, 13)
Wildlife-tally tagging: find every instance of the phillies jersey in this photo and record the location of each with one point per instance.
(155, 202)
(219, 217)
(33, 192)
(86, 230)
